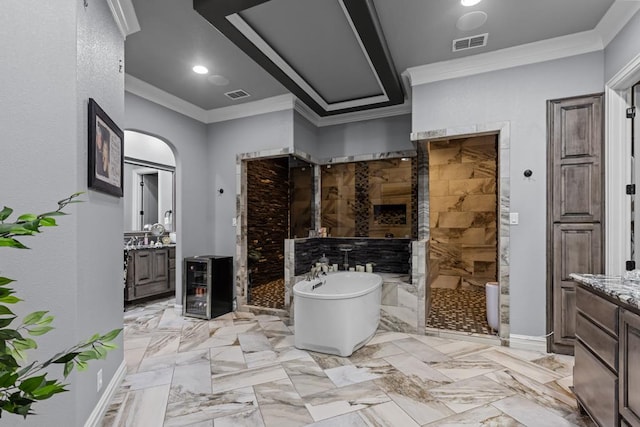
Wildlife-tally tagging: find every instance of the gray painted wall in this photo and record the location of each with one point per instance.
(54, 69)
(188, 140)
(517, 95)
(226, 140)
(623, 48)
(369, 136)
(305, 135)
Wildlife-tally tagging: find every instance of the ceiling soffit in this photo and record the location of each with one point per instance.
(293, 67)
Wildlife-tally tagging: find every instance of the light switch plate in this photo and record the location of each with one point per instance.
(514, 218)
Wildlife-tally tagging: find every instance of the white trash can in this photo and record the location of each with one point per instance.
(492, 290)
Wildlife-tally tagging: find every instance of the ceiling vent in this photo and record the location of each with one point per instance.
(470, 42)
(237, 94)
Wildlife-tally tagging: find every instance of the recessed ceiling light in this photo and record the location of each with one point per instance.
(218, 80)
(471, 21)
(200, 69)
(469, 3)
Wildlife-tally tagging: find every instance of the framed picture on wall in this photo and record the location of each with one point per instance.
(106, 152)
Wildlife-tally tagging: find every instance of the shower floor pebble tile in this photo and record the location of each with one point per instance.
(246, 372)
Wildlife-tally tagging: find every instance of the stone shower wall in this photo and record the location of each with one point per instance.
(268, 223)
(463, 210)
(301, 201)
(370, 199)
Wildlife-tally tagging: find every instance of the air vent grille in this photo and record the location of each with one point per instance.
(237, 94)
(470, 42)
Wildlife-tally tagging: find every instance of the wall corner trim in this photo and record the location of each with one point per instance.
(95, 418)
(125, 16)
(528, 342)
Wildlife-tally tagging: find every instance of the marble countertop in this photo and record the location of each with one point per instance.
(135, 248)
(623, 290)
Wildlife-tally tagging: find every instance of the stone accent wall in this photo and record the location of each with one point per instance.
(302, 194)
(463, 210)
(388, 255)
(268, 223)
(354, 194)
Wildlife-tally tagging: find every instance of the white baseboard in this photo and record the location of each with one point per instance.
(95, 418)
(527, 342)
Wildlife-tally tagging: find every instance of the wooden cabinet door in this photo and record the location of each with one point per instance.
(160, 265)
(143, 267)
(577, 248)
(629, 404)
(574, 208)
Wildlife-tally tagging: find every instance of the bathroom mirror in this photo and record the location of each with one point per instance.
(149, 183)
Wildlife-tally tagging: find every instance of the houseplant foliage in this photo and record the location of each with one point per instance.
(23, 383)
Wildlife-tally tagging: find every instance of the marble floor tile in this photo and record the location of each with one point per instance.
(210, 406)
(533, 371)
(246, 378)
(226, 359)
(242, 369)
(190, 381)
(483, 416)
(462, 368)
(387, 414)
(307, 377)
(251, 418)
(421, 351)
(468, 394)
(281, 405)
(148, 379)
(417, 369)
(347, 375)
(530, 413)
(339, 401)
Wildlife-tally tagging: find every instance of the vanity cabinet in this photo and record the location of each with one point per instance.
(606, 374)
(150, 272)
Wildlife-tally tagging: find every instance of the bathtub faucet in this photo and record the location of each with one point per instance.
(314, 273)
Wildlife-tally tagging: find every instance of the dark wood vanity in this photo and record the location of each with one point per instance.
(150, 272)
(606, 373)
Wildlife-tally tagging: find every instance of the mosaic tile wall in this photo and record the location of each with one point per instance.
(388, 255)
(463, 210)
(268, 225)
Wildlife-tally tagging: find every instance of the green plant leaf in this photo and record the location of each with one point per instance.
(6, 321)
(110, 336)
(5, 212)
(47, 222)
(27, 217)
(26, 369)
(25, 344)
(47, 320)
(82, 366)
(68, 367)
(39, 330)
(54, 213)
(109, 346)
(4, 311)
(12, 243)
(9, 334)
(32, 383)
(8, 379)
(88, 355)
(66, 358)
(47, 391)
(34, 317)
(10, 299)
(5, 281)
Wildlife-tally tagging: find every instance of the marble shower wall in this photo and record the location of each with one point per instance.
(463, 210)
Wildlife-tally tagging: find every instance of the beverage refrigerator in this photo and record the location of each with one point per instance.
(207, 290)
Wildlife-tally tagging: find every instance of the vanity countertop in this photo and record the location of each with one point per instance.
(618, 288)
(135, 248)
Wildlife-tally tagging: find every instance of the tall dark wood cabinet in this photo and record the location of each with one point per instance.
(574, 208)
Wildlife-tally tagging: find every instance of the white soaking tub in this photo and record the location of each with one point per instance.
(339, 316)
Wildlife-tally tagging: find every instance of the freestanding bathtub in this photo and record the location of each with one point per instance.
(339, 316)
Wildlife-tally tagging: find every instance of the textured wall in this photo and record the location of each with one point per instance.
(268, 219)
(463, 216)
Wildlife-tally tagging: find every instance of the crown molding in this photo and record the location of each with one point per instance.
(545, 50)
(151, 93)
(618, 15)
(262, 106)
(125, 16)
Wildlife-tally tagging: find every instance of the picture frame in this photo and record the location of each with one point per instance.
(106, 152)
